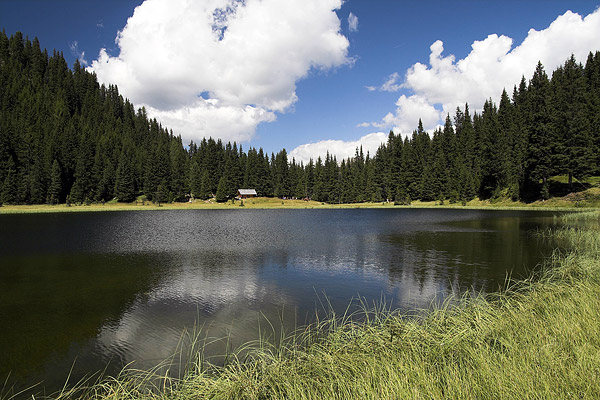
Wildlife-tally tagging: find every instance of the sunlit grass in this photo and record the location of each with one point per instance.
(275, 203)
(537, 339)
(590, 180)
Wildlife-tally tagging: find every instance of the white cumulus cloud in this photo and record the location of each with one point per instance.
(340, 148)
(492, 65)
(408, 112)
(221, 67)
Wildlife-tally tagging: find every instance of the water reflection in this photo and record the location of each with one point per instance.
(111, 288)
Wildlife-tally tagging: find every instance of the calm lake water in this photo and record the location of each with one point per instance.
(87, 290)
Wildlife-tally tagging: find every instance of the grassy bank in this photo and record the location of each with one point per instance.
(538, 339)
(588, 199)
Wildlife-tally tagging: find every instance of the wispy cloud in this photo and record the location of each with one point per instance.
(74, 47)
(352, 23)
(391, 85)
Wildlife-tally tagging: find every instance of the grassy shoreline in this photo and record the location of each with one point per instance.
(540, 338)
(262, 203)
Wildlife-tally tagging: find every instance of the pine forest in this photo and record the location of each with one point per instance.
(65, 138)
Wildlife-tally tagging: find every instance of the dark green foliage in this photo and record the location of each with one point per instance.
(8, 195)
(401, 197)
(539, 128)
(592, 78)
(572, 136)
(494, 148)
(65, 133)
(125, 185)
(281, 177)
(162, 194)
(221, 195)
(204, 192)
(55, 189)
(179, 160)
(467, 166)
(195, 179)
(514, 143)
(63, 136)
(83, 185)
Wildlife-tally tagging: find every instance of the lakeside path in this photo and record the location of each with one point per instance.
(275, 203)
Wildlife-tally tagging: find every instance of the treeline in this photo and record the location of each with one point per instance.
(65, 138)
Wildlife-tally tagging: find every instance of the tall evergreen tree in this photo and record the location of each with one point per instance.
(178, 164)
(55, 189)
(195, 179)
(124, 185)
(8, 195)
(222, 195)
(592, 75)
(572, 138)
(205, 192)
(539, 129)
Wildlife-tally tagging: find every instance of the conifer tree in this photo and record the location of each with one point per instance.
(55, 189)
(494, 151)
(178, 164)
(592, 75)
(539, 129)
(162, 193)
(281, 177)
(370, 184)
(82, 187)
(38, 182)
(221, 195)
(380, 173)
(438, 167)
(514, 158)
(205, 192)
(318, 188)
(8, 195)
(107, 181)
(251, 169)
(309, 174)
(572, 138)
(124, 185)
(195, 178)
(63, 133)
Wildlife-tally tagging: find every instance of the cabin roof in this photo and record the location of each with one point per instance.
(247, 192)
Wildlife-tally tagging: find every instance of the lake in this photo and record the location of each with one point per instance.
(87, 290)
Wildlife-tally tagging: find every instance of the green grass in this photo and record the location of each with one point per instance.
(590, 180)
(589, 199)
(538, 339)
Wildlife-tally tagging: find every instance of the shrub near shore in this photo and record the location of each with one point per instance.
(538, 339)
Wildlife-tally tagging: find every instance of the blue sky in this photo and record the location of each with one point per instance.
(280, 87)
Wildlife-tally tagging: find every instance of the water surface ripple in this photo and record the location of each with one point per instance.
(115, 287)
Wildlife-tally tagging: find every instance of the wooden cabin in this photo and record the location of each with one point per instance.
(246, 193)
